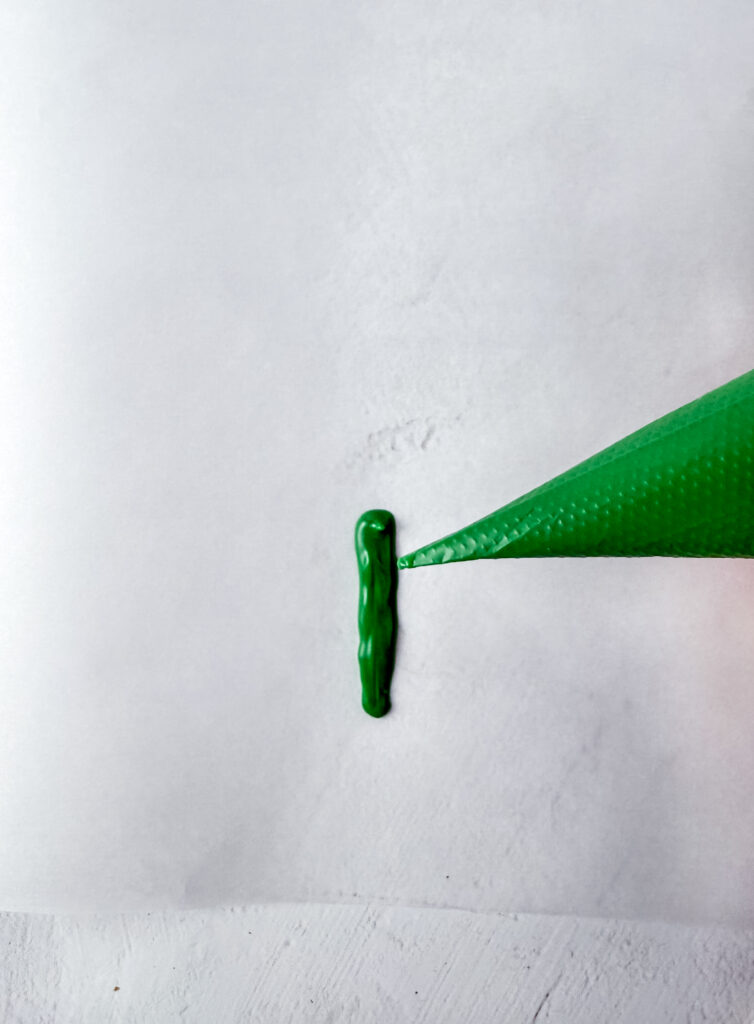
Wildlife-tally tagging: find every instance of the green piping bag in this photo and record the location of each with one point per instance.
(683, 486)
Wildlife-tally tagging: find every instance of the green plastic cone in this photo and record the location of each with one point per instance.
(681, 486)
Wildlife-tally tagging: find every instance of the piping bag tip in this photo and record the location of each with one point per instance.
(430, 555)
(378, 612)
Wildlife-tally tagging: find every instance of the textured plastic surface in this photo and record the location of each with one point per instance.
(681, 486)
(378, 616)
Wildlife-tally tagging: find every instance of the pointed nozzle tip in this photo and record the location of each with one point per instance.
(424, 556)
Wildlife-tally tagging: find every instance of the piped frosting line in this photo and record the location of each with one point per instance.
(378, 614)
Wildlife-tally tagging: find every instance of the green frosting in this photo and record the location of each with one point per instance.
(378, 615)
(682, 486)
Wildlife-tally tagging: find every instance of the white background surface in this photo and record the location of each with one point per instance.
(274, 965)
(265, 266)
(269, 265)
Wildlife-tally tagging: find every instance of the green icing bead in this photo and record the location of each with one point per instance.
(682, 486)
(378, 615)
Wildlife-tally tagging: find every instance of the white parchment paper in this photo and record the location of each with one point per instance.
(265, 266)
